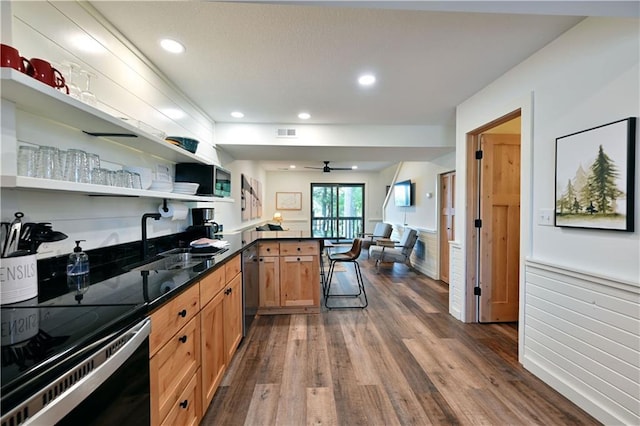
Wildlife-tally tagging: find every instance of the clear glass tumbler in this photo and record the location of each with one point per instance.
(48, 163)
(27, 160)
(77, 166)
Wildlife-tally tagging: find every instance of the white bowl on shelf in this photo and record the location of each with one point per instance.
(161, 186)
(187, 188)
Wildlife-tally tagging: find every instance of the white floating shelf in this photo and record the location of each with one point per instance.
(35, 97)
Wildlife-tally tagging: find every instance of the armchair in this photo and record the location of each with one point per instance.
(400, 253)
(381, 230)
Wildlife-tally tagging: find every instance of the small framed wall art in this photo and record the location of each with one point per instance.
(595, 174)
(288, 200)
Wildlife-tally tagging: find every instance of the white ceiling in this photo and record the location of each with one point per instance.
(272, 61)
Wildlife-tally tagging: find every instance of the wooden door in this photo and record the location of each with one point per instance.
(233, 316)
(447, 213)
(298, 281)
(500, 229)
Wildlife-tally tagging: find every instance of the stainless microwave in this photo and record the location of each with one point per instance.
(214, 180)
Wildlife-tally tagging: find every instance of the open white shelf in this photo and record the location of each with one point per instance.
(35, 97)
(23, 182)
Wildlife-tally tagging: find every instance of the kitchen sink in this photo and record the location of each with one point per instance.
(172, 262)
(175, 259)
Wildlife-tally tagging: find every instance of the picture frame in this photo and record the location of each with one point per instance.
(594, 177)
(288, 200)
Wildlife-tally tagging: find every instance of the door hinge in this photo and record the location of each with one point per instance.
(478, 223)
(477, 291)
(479, 155)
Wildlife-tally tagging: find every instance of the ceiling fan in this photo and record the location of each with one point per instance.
(327, 169)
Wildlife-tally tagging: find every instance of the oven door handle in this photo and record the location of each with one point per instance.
(75, 394)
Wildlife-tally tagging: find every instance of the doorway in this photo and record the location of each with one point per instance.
(447, 214)
(493, 209)
(337, 210)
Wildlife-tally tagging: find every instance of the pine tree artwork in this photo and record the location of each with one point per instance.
(594, 177)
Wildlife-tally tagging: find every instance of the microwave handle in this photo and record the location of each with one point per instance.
(73, 396)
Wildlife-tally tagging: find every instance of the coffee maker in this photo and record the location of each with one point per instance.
(204, 219)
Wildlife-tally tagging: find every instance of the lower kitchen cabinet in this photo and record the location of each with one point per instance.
(289, 277)
(186, 411)
(172, 368)
(221, 329)
(298, 274)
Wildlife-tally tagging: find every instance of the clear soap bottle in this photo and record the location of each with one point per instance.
(78, 271)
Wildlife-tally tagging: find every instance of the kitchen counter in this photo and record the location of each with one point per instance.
(105, 305)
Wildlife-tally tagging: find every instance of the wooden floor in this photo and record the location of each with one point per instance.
(402, 361)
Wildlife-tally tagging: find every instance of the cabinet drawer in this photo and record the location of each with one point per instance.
(173, 367)
(186, 410)
(269, 249)
(172, 316)
(299, 247)
(211, 285)
(232, 268)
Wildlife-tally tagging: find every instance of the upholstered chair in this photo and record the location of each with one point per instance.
(400, 252)
(381, 230)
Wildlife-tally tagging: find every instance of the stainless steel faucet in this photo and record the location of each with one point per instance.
(145, 249)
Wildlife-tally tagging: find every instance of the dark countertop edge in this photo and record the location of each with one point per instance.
(223, 258)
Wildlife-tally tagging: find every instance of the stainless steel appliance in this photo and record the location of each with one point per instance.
(75, 365)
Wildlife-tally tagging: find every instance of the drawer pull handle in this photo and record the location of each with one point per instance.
(268, 249)
(298, 259)
(298, 249)
(183, 339)
(183, 313)
(261, 259)
(185, 403)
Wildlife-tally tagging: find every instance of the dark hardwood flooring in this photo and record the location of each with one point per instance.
(402, 361)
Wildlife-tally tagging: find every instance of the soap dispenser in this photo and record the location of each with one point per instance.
(78, 271)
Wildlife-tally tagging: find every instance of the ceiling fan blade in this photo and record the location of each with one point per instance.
(317, 168)
(341, 168)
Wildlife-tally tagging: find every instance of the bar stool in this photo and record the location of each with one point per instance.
(352, 257)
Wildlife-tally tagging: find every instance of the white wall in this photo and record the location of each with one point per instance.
(230, 214)
(298, 181)
(585, 78)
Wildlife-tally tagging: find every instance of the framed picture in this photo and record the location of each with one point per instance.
(595, 177)
(288, 200)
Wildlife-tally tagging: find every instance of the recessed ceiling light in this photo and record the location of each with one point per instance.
(304, 116)
(173, 113)
(171, 45)
(237, 114)
(354, 167)
(367, 79)
(293, 166)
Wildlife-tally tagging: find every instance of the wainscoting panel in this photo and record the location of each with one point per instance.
(582, 336)
(425, 257)
(456, 280)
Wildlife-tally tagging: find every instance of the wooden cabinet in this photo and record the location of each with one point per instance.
(221, 325)
(186, 410)
(174, 346)
(289, 277)
(298, 274)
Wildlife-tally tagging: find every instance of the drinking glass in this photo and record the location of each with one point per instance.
(123, 179)
(62, 163)
(93, 163)
(72, 71)
(100, 176)
(87, 95)
(77, 166)
(48, 163)
(136, 180)
(27, 160)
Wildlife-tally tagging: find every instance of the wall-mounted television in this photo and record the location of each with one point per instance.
(402, 194)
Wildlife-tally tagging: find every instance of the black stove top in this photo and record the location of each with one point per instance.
(38, 339)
